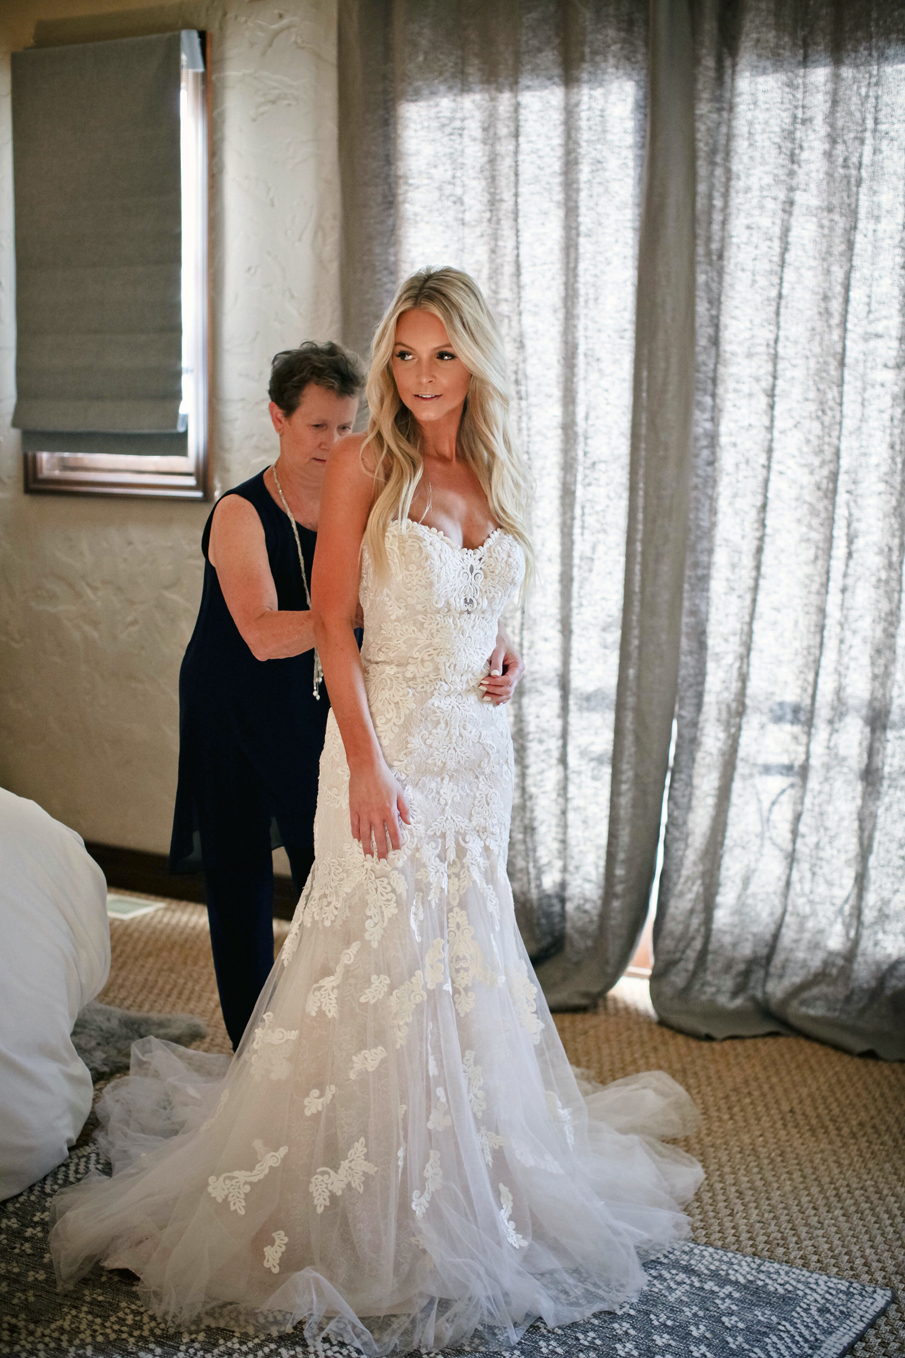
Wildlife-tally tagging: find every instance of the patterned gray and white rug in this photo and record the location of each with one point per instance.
(700, 1303)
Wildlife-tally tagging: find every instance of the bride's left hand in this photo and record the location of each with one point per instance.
(506, 670)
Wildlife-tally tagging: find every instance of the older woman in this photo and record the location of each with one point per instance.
(252, 709)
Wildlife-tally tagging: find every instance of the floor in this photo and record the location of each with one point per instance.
(804, 1146)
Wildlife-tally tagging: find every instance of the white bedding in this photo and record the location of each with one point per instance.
(54, 958)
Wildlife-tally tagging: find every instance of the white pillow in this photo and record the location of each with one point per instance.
(54, 958)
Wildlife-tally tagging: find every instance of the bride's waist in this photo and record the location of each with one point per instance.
(423, 676)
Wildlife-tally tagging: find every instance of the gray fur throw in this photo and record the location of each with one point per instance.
(103, 1035)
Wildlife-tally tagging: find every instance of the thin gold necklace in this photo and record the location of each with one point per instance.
(318, 668)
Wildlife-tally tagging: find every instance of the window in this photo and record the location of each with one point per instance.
(110, 145)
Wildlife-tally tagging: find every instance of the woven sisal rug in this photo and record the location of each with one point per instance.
(700, 1303)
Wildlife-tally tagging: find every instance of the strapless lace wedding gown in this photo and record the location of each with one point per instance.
(399, 1154)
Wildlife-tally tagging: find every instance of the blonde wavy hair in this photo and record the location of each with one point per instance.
(485, 438)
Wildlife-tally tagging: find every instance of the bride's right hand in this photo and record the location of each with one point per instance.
(376, 806)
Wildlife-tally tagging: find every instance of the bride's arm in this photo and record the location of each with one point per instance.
(376, 802)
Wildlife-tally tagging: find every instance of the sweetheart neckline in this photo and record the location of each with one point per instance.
(428, 528)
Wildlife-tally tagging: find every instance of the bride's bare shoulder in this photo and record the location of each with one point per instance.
(354, 455)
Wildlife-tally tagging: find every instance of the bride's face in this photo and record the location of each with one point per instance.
(430, 377)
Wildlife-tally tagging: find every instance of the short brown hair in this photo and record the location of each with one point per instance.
(326, 365)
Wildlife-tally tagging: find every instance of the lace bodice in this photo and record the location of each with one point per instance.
(435, 617)
(429, 629)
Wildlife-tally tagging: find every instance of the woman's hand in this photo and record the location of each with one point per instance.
(376, 806)
(506, 670)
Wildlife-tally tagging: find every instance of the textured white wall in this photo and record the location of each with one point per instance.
(98, 595)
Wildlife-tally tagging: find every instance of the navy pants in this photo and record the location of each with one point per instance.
(234, 814)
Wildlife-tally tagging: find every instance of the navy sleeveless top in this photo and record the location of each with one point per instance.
(261, 714)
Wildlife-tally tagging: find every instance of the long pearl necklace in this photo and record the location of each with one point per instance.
(318, 669)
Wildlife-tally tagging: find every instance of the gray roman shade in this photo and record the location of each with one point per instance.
(96, 147)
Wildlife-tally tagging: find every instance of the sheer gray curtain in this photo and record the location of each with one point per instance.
(507, 138)
(782, 897)
(689, 219)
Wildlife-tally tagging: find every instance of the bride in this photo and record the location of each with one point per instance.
(399, 1154)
